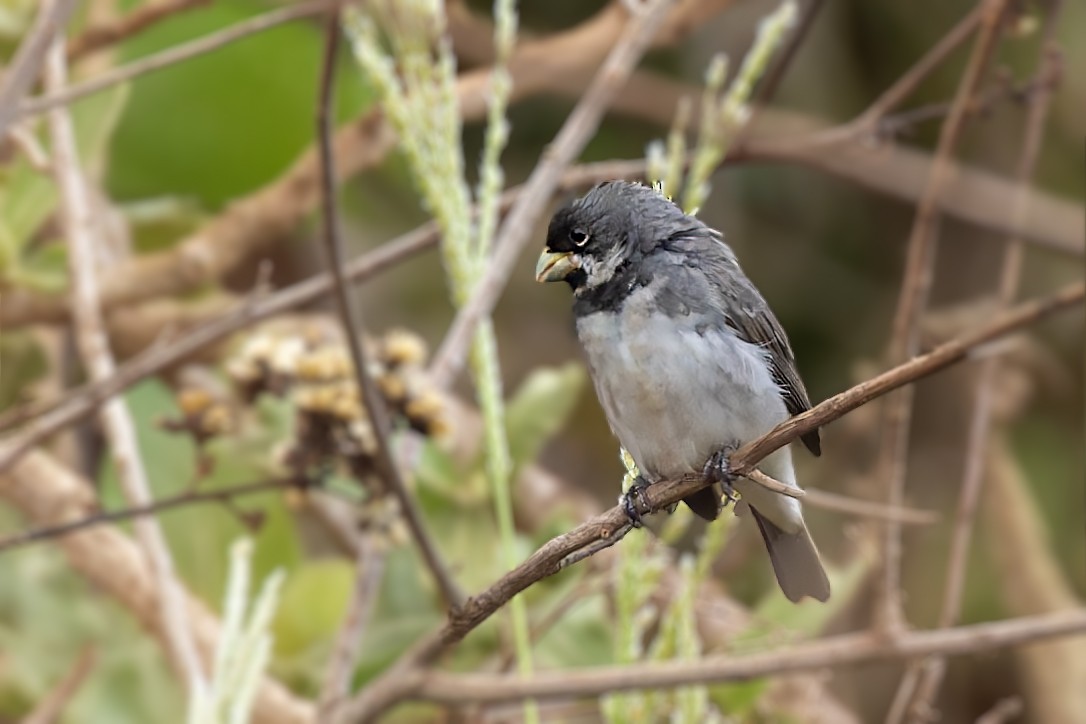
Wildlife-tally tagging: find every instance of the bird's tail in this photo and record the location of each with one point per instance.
(795, 561)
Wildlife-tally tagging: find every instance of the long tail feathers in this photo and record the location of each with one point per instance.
(795, 561)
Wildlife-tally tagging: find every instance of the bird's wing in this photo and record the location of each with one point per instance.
(749, 315)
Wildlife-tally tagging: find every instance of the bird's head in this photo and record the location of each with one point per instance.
(598, 235)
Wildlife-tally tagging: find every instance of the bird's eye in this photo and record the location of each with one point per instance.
(578, 237)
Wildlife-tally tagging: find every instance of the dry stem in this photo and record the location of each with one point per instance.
(97, 358)
(915, 288)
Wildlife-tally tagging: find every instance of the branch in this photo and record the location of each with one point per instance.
(518, 227)
(369, 570)
(372, 399)
(50, 709)
(26, 65)
(931, 672)
(79, 225)
(172, 56)
(161, 505)
(844, 650)
(399, 679)
(99, 36)
(915, 288)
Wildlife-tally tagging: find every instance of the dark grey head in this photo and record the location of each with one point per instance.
(611, 227)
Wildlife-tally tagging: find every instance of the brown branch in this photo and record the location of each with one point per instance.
(26, 64)
(370, 569)
(915, 288)
(904, 87)
(397, 681)
(931, 672)
(372, 399)
(50, 709)
(844, 650)
(99, 36)
(171, 56)
(79, 226)
(517, 228)
(161, 505)
(866, 508)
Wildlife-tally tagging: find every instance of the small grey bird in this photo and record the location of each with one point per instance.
(686, 357)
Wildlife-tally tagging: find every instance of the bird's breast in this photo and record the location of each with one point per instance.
(675, 390)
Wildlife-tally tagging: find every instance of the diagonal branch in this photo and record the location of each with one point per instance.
(26, 65)
(399, 680)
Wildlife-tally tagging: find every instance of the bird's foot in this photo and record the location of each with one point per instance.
(634, 502)
(718, 470)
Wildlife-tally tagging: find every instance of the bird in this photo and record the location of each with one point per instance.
(686, 357)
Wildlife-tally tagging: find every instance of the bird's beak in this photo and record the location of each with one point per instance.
(555, 266)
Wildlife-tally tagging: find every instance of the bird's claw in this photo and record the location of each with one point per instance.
(634, 502)
(718, 470)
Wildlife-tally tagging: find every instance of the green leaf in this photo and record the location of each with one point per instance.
(312, 605)
(236, 118)
(540, 408)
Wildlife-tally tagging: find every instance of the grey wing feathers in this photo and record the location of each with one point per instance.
(750, 316)
(755, 323)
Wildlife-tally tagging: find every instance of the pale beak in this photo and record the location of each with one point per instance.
(555, 266)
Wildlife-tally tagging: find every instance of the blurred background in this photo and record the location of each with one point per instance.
(173, 150)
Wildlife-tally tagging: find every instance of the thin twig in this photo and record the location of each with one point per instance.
(369, 570)
(931, 672)
(50, 709)
(1002, 711)
(517, 228)
(161, 505)
(844, 650)
(171, 56)
(399, 679)
(26, 64)
(352, 323)
(775, 485)
(913, 299)
(867, 508)
(79, 225)
(117, 30)
(904, 86)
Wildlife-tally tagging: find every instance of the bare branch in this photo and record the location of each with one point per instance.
(369, 570)
(845, 650)
(915, 287)
(931, 672)
(352, 325)
(399, 679)
(50, 709)
(93, 342)
(172, 56)
(161, 505)
(97, 37)
(26, 65)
